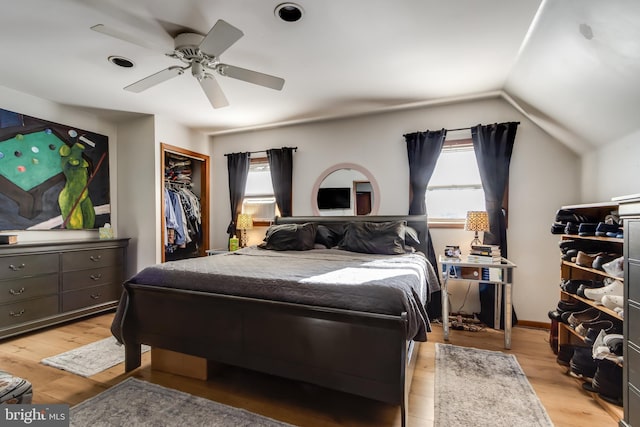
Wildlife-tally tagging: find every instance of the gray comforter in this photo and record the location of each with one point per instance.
(334, 278)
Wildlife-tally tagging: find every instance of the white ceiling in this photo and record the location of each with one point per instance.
(344, 57)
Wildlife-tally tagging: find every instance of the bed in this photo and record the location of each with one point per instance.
(341, 319)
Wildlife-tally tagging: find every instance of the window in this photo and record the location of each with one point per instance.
(455, 186)
(259, 200)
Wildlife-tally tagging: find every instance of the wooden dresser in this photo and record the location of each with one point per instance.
(45, 283)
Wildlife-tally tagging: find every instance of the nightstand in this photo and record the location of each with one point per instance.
(505, 281)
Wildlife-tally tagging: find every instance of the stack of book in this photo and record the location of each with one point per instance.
(484, 253)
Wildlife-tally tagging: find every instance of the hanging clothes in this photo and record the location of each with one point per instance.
(183, 217)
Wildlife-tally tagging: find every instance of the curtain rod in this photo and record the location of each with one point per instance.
(469, 127)
(263, 151)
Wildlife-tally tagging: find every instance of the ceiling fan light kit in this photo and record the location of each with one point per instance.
(201, 54)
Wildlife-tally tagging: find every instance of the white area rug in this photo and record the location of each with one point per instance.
(139, 403)
(90, 359)
(484, 388)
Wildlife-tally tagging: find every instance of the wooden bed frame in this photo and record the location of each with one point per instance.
(355, 352)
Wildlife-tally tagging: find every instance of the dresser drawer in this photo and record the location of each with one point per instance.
(73, 280)
(31, 287)
(632, 232)
(632, 279)
(632, 359)
(28, 310)
(82, 260)
(88, 297)
(632, 319)
(12, 267)
(634, 406)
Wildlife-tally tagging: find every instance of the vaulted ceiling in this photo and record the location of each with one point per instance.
(572, 66)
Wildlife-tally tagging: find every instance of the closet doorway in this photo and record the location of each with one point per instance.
(184, 203)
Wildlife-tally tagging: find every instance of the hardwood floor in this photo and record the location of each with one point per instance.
(296, 403)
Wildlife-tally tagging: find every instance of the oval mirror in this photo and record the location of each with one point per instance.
(345, 189)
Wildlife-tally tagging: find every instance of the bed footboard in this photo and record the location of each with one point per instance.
(360, 353)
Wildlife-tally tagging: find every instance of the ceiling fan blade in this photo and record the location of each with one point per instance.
(155, 79)
(221, 36)
(213, 91)
(122, 35)
(251, 76)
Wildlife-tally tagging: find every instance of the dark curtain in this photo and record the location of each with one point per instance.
(493, 145)
(238, 169)
(424, 149)
(281, 166)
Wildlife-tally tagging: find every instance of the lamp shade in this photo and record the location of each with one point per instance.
(245, 222)
(477, 221)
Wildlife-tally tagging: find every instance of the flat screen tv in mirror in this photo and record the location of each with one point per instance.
(334, 198)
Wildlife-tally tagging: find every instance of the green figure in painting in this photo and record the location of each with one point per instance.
(75, 204)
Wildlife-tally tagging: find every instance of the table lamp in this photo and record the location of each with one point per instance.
(476, 221)
(245, 222)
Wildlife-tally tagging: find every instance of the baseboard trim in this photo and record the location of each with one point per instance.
(534, 324)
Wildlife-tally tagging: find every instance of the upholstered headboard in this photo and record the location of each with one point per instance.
(418, 222)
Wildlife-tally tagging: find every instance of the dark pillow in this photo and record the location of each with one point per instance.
(329, 236)
(374, 237)
(411, 236)
(290, 237)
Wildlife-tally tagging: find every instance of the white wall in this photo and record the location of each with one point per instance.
(46, 110)
(139, 180)
(544, 175)
(611, 171)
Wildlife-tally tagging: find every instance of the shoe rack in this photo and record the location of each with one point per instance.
(571, 270)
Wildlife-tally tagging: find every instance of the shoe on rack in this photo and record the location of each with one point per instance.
(603, 259)
(570, 306)
(565, 353)
(570, 254)
(593, 285)
(615, 288)
(590, 330)
(584, 259)
(581, 245)
(614, 342)
(589, 315)
(565, 306)
(569, 215)
(603, 228)
(613, 301)
(571, 285)
(582, 363)
(614, 267)
(607, 382)
(571, 228)
(587, 229)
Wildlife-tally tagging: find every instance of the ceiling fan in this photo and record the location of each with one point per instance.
(201, 54)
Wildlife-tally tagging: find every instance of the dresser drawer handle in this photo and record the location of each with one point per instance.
(95, 258)
(17, 267)
(96, 276)
(12, 292)
(95, 296)
(18, 314)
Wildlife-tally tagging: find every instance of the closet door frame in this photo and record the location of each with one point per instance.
(204, 192)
